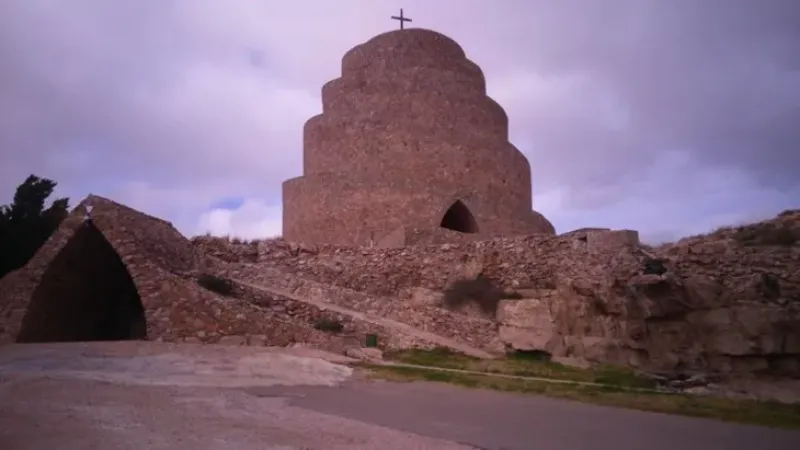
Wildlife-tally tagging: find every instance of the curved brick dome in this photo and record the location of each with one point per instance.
(406, 134)
(414, 47)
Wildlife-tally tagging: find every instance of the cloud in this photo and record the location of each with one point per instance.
(668, 117)
(252, 219)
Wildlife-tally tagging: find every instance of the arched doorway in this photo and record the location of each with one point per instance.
(85, 294)
(459, 218)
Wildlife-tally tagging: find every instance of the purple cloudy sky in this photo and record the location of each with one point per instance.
(671, 117)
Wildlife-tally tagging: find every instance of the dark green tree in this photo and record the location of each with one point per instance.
(25, 224)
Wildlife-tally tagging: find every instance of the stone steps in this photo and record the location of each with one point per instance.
(380, 321)
(475, 332)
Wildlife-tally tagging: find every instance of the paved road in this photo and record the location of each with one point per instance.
(494, 420)
(193, 397)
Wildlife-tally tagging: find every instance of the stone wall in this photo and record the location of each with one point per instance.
(435, 236)
(516, 262)
(50, 292)
(474, 331)
(149, 248)
(720, 302)
(745, 268)
(97, 299)
(307, 316)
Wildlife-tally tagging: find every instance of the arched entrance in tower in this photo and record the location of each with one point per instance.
(85, 294)
(459, 218)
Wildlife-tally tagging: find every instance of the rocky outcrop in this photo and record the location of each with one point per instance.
(662, 323)
(723, 302)
(727, 302)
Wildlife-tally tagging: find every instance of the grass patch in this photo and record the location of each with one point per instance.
(521, 364)
(771, 414)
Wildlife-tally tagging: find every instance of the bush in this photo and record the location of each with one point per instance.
(528, 355)
(329, 325)
(770, 286)
(478, 290)
(767, 234)
(216, 284)
(654, 267)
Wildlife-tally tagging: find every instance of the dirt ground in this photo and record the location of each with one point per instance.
(158, 396)
(115, 396)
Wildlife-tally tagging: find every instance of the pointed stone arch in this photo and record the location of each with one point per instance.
(85, 294)
(458, 217)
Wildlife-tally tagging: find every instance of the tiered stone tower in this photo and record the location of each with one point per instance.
(408, 148)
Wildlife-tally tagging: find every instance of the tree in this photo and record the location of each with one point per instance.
(25, 224)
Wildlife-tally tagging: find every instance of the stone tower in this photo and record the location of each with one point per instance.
(408, 149)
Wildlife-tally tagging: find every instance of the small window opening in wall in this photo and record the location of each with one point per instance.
(459, 218)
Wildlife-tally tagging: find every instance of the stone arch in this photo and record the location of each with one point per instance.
(85, 294)
(458, 217)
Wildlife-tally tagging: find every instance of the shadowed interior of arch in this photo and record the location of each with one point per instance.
(459, 218)
(85, 294)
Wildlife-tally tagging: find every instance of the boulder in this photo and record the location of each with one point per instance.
(364, 353)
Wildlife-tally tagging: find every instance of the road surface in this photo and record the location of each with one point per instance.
(160, 396)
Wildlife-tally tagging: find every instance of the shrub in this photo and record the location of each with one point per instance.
(478, 290)
(329, 325)
(770, 286)
(216, 284)
(528, 355)
(767, 234)
(654, 267)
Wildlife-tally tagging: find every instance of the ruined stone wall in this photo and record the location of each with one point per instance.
(149, 248)
(227, 249)
(405, 132)
(723, 302)
(514, 262)
(420, 314)
(746, 260)
(740, 270)
(425, 236)
(303, 318)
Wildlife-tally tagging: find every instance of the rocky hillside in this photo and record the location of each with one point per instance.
(725, 302)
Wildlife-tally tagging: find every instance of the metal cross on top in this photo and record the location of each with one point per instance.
(401, 18)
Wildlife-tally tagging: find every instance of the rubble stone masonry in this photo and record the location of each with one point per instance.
(715, 302)
(407, 133)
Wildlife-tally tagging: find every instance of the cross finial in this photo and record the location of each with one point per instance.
(401, 18)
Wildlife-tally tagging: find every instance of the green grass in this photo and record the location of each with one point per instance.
(770, 414)
(521, 365)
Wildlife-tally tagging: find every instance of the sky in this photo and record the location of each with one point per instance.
(669, 117)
